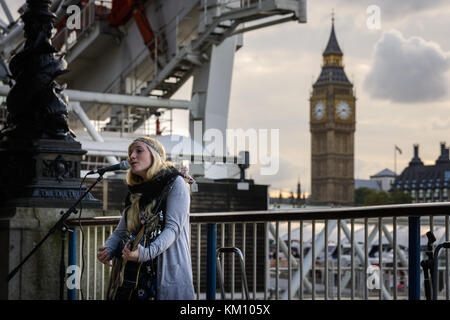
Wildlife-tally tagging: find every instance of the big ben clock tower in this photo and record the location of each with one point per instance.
(332, 126)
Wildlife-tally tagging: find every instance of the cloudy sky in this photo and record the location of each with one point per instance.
(400, 71)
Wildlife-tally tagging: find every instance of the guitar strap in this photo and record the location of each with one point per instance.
(138, 238)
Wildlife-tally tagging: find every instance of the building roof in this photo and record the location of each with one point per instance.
(384, 173)
(420, 176)
(334, 74)
(333, 45)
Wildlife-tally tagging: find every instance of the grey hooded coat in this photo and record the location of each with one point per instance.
(171, 248)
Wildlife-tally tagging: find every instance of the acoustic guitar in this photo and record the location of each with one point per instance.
(130, 273)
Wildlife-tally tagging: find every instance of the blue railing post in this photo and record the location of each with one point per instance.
(211, 262)
(414, 258)
(72, 260)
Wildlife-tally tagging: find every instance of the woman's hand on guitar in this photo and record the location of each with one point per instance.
(129, 255)
(103, 256)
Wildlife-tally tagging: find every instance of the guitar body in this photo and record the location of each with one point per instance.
(129, 275)
(129, 280)
(135, 278)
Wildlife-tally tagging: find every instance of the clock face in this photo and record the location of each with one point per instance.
(319, 110)
(343, 110)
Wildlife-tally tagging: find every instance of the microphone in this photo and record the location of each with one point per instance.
(123, 165)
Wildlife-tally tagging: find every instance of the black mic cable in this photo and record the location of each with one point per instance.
(82, 239)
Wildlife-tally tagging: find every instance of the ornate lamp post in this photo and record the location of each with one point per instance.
(39, 166)
(37, 106)
(39, 157)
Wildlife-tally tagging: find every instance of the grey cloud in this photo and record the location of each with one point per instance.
(407, 70)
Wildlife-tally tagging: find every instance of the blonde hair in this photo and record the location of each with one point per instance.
(158, 163)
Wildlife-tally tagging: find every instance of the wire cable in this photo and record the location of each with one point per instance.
(82, 238)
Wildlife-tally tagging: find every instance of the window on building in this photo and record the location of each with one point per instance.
(428, 195)
(413, 195)
(447, 176)
(436, 196)
(445, 194)
(421, 198)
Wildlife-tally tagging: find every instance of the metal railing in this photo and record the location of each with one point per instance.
(324, 253)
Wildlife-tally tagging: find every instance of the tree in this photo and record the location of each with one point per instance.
(361, 193)
(376, 198)
(370, 197)
(398, 196)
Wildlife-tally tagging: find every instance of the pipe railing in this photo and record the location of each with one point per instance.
(318, 272)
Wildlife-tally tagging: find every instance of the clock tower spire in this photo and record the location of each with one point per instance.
(332, 127)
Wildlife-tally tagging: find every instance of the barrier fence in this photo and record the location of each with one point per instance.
(299, 253)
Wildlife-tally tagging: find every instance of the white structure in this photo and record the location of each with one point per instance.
(379, 181)
(179, 149)
(384, 178)
(191, 38)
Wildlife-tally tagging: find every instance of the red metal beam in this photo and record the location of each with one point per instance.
(123, 10)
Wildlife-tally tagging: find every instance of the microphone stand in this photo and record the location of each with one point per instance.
(428, 266)
(58, 225)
